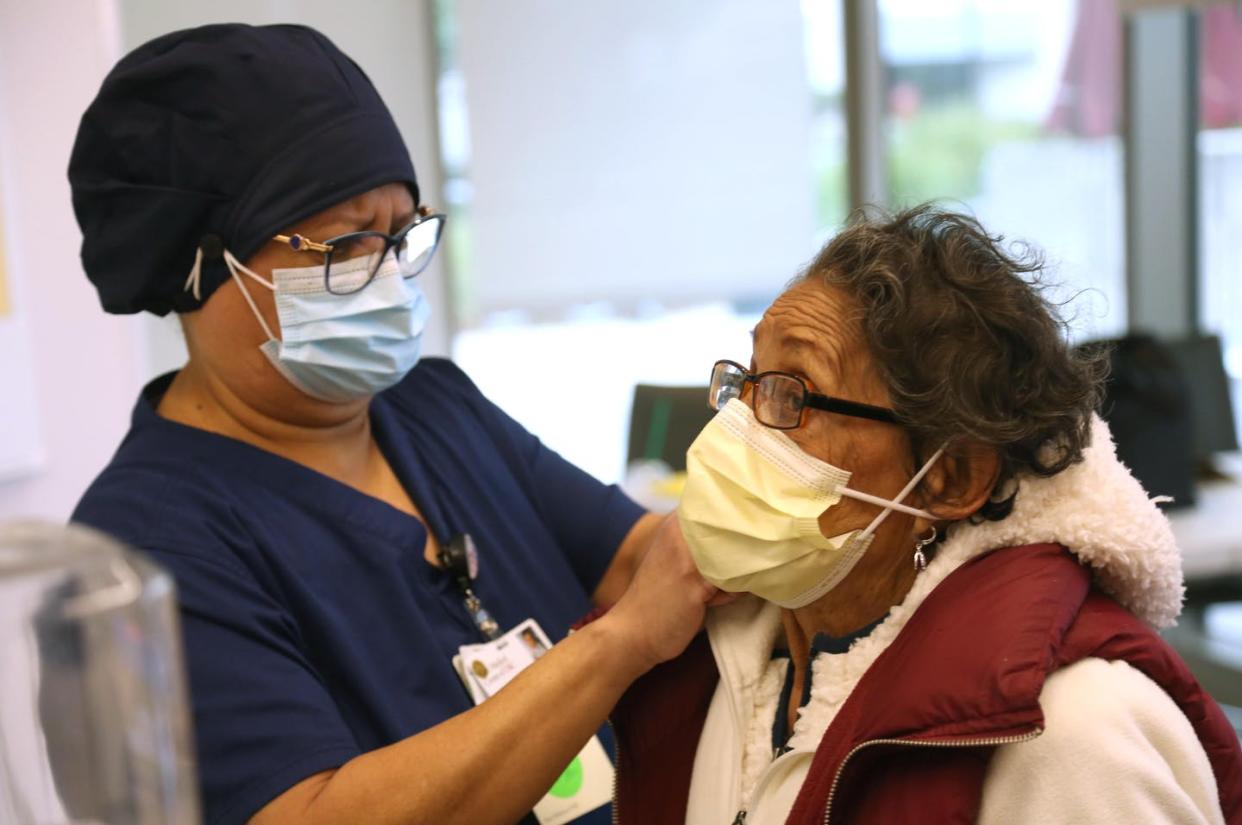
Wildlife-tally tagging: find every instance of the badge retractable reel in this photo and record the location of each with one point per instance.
(460, 559)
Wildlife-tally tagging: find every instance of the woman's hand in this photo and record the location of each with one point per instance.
(665, 604)
(491, 764)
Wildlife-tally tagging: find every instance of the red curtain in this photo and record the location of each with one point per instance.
(1088, 102)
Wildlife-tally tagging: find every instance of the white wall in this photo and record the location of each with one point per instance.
(86, 366)
(640, 183)
(627, 152)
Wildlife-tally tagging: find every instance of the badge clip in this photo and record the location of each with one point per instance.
(461, 559)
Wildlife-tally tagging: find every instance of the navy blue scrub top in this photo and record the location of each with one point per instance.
(314, 628)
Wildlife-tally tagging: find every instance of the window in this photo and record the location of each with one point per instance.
(1220, 184)
(629, 186)
(1013, 108)
(824, 39)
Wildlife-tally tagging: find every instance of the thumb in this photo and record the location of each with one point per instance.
(723, 597)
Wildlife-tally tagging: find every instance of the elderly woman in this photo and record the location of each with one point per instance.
(343, 518)
(954, 580)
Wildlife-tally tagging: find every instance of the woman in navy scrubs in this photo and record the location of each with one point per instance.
(305, 473)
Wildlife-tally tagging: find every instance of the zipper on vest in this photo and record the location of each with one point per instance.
(616, 769)
(990, 741)
(740, 819)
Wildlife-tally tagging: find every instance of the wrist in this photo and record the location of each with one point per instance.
(613, 632)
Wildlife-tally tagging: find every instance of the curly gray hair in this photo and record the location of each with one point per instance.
(969, 345)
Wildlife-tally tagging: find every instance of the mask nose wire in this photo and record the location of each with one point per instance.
(895, 504)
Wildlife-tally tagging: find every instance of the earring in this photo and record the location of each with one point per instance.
(920, 559)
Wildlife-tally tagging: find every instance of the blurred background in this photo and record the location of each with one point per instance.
(629, 184)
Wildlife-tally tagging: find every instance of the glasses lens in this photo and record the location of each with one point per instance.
(778, 401)
(419, 245)
(353, 261)
(727, 382)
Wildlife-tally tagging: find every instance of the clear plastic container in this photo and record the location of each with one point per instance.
(94, 720)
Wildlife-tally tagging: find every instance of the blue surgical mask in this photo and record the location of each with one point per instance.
(341, 347)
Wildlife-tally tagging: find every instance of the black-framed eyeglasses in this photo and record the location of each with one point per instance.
(414, 244)
(781, 398)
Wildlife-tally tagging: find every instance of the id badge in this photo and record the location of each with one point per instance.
(485, 668)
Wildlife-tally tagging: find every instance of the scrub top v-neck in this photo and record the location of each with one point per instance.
(314, 628)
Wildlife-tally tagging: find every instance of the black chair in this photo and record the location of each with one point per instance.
(664, 421)
(1147, 405)
(1167, 403)
(1202, 363)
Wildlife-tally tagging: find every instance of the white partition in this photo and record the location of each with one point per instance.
(624, 151)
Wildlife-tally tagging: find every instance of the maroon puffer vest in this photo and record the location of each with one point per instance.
(965, 672)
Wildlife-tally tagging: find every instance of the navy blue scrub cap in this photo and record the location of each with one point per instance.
(217, 138)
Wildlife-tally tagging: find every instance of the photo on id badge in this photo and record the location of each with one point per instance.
(487, 667)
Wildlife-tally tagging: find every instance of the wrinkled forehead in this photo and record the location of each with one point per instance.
(392, 203)
(815, 320)
(815, 330)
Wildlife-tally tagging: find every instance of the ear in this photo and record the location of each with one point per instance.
(959, 484)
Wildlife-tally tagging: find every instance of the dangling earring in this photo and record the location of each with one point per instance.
(920, 559)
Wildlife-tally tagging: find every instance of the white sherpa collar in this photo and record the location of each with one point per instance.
(1100, 512)
(1096, 508)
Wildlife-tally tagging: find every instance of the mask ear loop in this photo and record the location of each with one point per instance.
(194, 284)
(233, 264)
(895, 504)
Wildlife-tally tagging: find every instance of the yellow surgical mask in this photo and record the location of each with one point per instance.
(751, 506)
